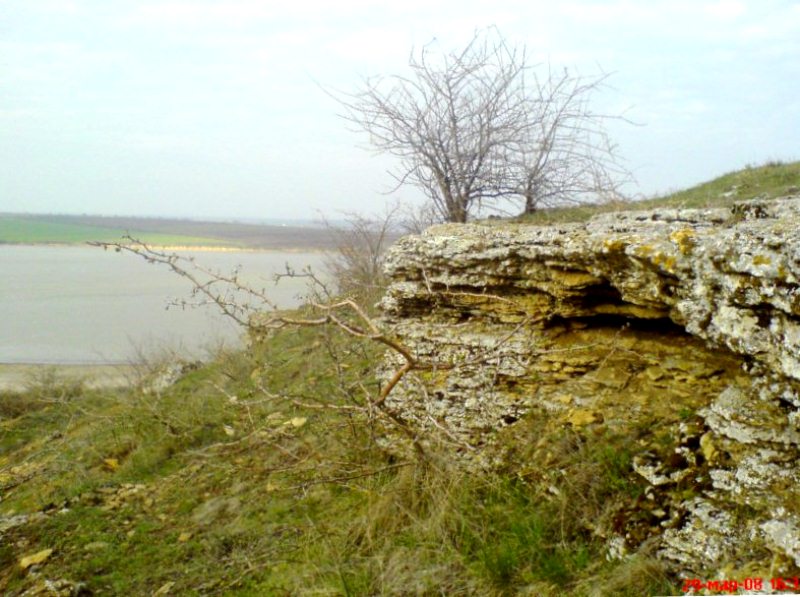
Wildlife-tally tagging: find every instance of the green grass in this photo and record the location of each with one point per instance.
(19, 229)
(255, 475)
(209, 485)
(771, 180)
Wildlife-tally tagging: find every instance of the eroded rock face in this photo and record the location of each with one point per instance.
(688, 316)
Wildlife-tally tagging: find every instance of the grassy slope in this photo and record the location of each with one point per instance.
(771, 180)
(217, 488)
(233, 481)
(20, 229)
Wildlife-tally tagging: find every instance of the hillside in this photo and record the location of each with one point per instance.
(280, 471)
(676, 328)
(258, 475)
(773, 179)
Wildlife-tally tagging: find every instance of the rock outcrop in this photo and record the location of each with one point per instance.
(688, 317)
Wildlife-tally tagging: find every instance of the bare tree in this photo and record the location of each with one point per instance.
(478, 126)
(565, 154)
(361, 242)
(416, 218)
(447, 122)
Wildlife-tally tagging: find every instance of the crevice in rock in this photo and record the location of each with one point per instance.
(600, 294)
(662, 325)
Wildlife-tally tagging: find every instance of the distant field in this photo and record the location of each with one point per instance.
(767, 181)
(61, 229)
(35, 231)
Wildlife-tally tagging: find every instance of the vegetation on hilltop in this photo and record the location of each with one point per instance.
(481, 126)
(771, 180)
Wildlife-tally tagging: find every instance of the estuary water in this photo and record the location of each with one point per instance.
(82, 305)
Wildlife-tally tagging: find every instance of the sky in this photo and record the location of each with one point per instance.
(217, 109)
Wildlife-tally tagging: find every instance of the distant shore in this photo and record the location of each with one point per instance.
(223, 249)
(184, 248)
(172, 234)
(20, 377)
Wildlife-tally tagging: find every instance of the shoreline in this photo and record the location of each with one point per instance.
(18, 377)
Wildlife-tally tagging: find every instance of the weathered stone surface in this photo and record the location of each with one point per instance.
(666, 313)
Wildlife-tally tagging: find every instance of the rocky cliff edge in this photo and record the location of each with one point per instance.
(679, 326)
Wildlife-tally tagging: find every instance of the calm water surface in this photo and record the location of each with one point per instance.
(83, 305)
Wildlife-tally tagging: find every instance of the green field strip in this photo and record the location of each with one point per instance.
(20, 230)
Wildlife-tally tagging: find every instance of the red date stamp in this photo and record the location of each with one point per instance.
(732, 586)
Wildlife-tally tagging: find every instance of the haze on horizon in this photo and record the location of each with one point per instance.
(215, 109)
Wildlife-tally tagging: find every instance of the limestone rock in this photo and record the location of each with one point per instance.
(689, 316)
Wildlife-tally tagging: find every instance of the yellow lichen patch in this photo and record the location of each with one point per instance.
(665, 262)
(630, 310)
(34, 559)
(433, 378)
(565, 399)
(709, 450)
(629, 375)
(684, 239)
(21, 472)
(761, 260)
(614, 245)
(573, 279)
(510, 309)
(580, 417)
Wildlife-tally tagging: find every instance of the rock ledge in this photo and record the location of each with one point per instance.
(628, 316)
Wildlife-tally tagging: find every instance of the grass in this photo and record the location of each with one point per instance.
(19, 229)
(768, 181)
(257, 474)
(233, 481)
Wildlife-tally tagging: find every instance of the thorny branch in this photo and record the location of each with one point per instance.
(254, 311)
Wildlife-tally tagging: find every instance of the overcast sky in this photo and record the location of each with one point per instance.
(212, 109)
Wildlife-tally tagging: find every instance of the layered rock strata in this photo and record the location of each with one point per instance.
(686, 316)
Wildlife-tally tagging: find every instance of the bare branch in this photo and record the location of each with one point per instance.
(252, 309)
(356, 264)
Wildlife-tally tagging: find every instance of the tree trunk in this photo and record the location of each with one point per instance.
(530, 201)
(458, 214)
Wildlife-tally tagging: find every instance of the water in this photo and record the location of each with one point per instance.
(83, 305)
